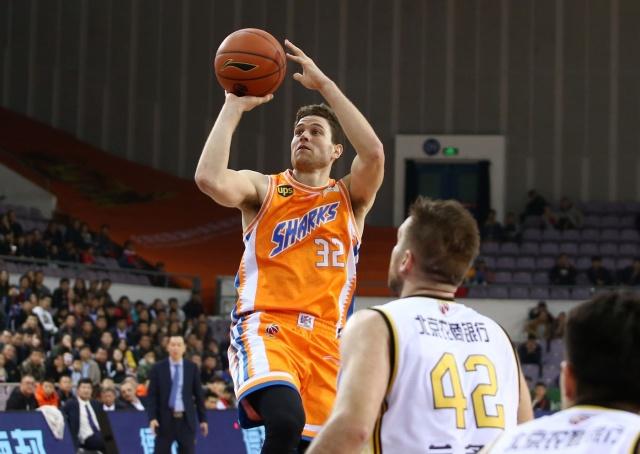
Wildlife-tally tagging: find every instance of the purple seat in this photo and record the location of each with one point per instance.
(632, 207)
(559, 293)
(569, 248)
(497, 292)
(570, 235)
(609, 235)
(623, 262)
(609, 263)
(551, 235)
(592, 221)
(519, 293)
(539, 293)
(503, 277)
(522, 277)
(477, 292)
(489, 260)
(549, 249)
(610, 221)
(627, 221)
(582, 279)
(545, 263)
(541, 277)
(530, 248)
(589, 249)
(629, 235)
(505, 263)
(532, 234)
(531, 371)
(532, 221)
(608, 249)
(509, 249)
(594, 207)
(580, 293)
(551, 374)
(489, 247)
(590, 235)
(525, 263)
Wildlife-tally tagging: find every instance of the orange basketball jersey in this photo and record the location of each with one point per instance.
(300, 253)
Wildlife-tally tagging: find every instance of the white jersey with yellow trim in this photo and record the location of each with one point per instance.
(454, 384)
(577, 430)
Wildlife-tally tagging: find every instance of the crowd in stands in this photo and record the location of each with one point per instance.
(50, 339)
(559, 246)
(64, 240)
(541, 355)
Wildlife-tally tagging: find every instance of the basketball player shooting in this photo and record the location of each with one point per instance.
(296, 280)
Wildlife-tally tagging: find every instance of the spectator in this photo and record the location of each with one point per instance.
(145, 365)
(61, 296)
(541, 326)
(108, 400)
(559, 324)
(631, 274)
(87, 256)
(530, 352)
(569, 216)
(65, 389)
(43, 312)
(211, 401)
(16, 227)
(549, 218)
(598, 275)
(491, 230)
(479, 274)
(3, 371)
(540, 400)
(129, 257)
(38, 286)
(116, 368)
(101, 358)
(535, 205)
(34, 365)
(128, 398)
(193, 308)
(563, 273)
(46, 393)
(89, 368)
(209, 368)
(11, 363)
(511, 229)
(55, 367)
(21, 398)
(87, 421)
(104, 245)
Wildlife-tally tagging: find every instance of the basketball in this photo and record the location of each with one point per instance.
(250, 62)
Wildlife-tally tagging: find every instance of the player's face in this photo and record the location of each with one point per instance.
(395, 279)
(311, 146)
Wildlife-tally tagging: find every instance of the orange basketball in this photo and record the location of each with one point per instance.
(250, 62)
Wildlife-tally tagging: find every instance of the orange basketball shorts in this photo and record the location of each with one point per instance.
(290, 349)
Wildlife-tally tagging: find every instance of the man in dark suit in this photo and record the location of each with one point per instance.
(87, 421)
(174, 398)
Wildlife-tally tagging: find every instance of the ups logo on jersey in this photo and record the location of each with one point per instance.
(285, 190)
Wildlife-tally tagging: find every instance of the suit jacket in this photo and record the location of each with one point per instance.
(160, 390)
(71, 412)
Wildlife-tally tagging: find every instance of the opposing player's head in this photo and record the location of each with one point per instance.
(436, 244)
(317, 138)
(602, 339)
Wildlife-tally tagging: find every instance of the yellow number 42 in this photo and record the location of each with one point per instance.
(457, 399)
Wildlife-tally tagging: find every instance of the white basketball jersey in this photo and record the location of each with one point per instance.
(454, 384)
(577, 430)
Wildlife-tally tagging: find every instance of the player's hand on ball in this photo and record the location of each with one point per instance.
(246, 103)
(311, 76)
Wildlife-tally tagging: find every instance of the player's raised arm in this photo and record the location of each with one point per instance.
(228, 187)
(365, 353)
(368, 167)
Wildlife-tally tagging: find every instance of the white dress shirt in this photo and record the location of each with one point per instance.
(85, 430)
